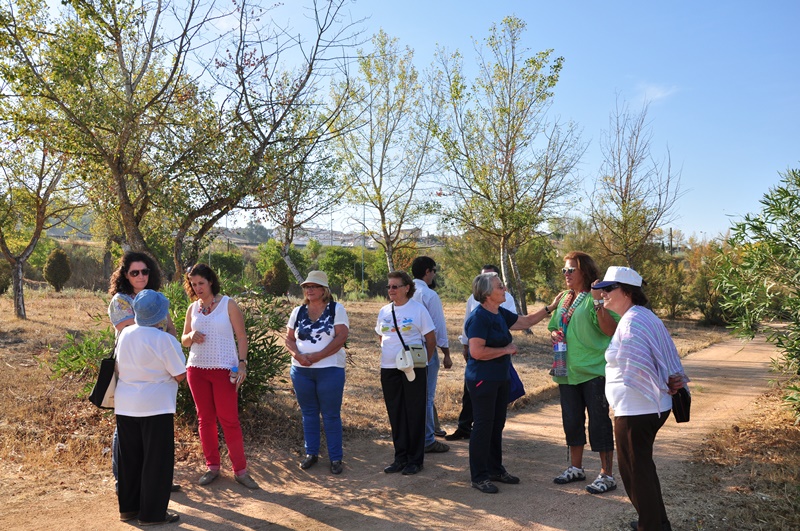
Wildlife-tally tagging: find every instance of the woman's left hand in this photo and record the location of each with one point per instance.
(674, 383)
(241, 375)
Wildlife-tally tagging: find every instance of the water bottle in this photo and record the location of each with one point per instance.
(234, 373)
(559, 357)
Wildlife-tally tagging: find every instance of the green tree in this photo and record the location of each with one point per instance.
(340, 264)
(36, 193)
(759, 281)
(635, 194)
(57, 269)
(388, 148)
(510, 166)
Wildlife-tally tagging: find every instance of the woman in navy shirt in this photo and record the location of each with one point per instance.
(490, 349)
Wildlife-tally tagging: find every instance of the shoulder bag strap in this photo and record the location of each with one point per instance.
(397, 329)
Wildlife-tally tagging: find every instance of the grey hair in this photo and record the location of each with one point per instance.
(482, 286)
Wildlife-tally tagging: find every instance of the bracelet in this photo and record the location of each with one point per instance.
(598, 303)
(547, 310)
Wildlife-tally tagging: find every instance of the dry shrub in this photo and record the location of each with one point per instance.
(754, 467)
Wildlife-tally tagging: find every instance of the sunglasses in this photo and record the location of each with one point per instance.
(609, 289)
(311, 286)
(135, 272)
(568, 270)
(393, 286)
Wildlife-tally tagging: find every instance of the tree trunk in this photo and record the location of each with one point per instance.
(390, 256)
(293, 268)
(18, 281)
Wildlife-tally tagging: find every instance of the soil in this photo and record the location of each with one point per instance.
(727, 379)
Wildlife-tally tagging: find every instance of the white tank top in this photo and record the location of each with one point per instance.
(218, 351)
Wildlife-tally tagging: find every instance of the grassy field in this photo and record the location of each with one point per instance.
(45, 427)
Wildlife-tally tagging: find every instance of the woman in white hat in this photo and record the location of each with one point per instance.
(643, 371)
(316, 334)
(405, 393)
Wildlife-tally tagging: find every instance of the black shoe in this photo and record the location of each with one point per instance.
(411, 469)
(439, 433)
(175, 487)
(505, 477)
(394, 467)
(436, 447)
(309, 461)
(486, 487)
(336, 467)
(456, 435)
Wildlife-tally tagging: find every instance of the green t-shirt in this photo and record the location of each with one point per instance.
(586, 343)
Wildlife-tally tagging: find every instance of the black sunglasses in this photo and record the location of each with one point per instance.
(135, 273)
(609, 289)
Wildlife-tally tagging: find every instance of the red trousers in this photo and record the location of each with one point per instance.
(215, 398)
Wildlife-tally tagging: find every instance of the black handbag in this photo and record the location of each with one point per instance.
(102, 394)
(681, 404)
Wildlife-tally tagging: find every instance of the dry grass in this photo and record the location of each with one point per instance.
(753, 470)
(750, 469)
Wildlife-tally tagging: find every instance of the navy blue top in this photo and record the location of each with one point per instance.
(495, 329)
(312, 331)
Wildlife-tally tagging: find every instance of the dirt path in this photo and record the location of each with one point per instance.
(727, 378)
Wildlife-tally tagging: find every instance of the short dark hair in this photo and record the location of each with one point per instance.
(200, 270)
(491, 267)
(119, 282)
(407, 281)
(420, 266)
(635, 293)
(588, 268)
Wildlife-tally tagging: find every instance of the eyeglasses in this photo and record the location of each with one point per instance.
(311, 286)
(567, 270)
(393, 286)
(609, 289)
(135, 272)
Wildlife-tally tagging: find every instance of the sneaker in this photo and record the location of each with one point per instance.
(208, 477)
(439, 433)
(505, 477)
(486, 486)
(571, 474)
(247, 481)
(436, 447)
(602, 484)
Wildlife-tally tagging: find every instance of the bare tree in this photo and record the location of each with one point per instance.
(388, 150)
(635, 194)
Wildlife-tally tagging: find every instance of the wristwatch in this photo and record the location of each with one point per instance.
(242, 361)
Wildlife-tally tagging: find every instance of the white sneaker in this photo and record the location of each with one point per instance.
(602, 484)
(571, 474)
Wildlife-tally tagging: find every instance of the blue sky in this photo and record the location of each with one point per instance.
(723, 80)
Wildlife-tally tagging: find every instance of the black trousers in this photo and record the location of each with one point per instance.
(489, 405)
(405, 404)
(465, 417)
(635, 437)
(146, 464)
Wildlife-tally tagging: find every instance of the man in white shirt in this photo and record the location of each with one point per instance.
(423, 269)
(465, 417)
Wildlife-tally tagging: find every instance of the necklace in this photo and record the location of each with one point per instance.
(205, 310)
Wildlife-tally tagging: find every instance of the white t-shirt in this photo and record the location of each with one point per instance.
(315, 336)
(147, 361)
(430, 299)
(414, 322)
(218, 350)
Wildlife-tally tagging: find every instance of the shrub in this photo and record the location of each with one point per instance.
(230, 264)
(276, 280)
(5, 276)
(80, 357)
(56, 269)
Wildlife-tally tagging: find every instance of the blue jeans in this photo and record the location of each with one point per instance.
(433, 376)
(320, 391)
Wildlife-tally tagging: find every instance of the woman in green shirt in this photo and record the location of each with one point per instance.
(583, 328)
